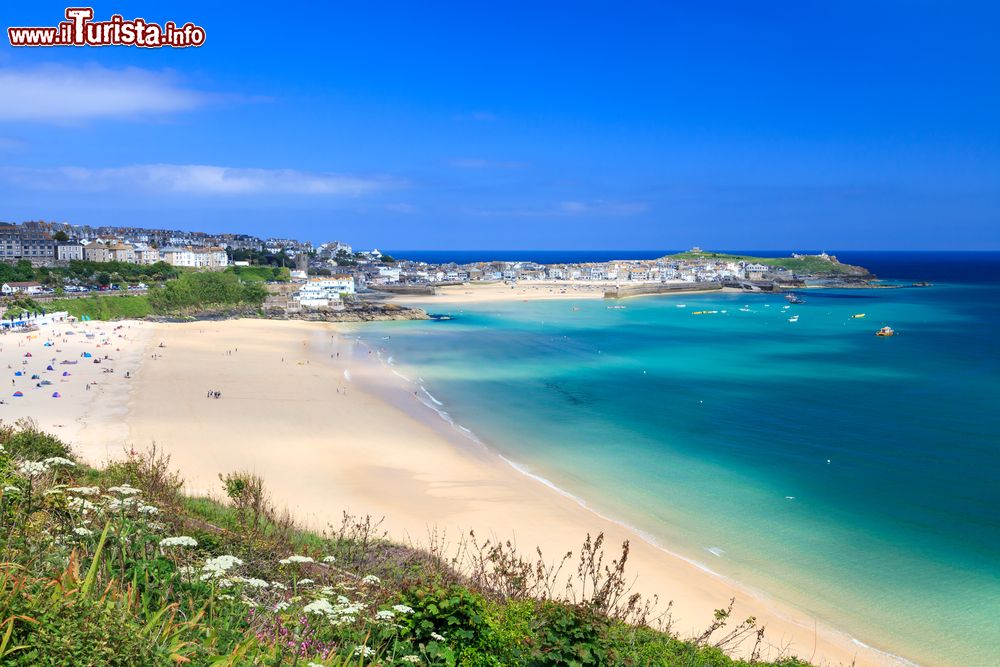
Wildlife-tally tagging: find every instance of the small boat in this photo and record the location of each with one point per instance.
(682, 305)
(922, 283)
(857, 316)
(704, 312)
(793, 318)
(793, 298)
(744, 309)
(885, 332)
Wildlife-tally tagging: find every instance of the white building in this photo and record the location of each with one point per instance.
(67, 252)
(21, 288)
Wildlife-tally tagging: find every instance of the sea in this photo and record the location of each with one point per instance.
(853, 476)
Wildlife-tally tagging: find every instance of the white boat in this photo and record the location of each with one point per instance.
(793, 318)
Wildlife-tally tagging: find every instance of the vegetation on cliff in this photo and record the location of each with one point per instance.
(118, 567)
(817, 265)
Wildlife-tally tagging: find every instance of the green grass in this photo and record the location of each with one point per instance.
(109, 307)
(86, 579)
(808, 265)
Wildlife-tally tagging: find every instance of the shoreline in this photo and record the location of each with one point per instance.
(373, 449)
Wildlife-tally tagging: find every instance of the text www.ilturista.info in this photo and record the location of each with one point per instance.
(81, 30)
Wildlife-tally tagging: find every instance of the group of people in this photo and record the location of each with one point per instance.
(213, 394)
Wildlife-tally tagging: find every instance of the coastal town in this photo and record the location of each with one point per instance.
(324, 275)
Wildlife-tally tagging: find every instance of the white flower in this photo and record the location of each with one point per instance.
(281, 606)
(226, 596)
(313, 664)
(305, 582)
(2, 450)
(321, 606)
(11, 489)
(216, 567)
(385, 615)
(330, 559)
(296, 559)
(124, 490)
(365, 651)
(58, 461)
(53, 492)
(81, 505)
(402, 609)
(32, 468)
(415, 659)
(84, 490)
(148, 509)
(83, 532)
(179, 541)
(250, 581)
(370, 579)
(436, 636)
(342, 600)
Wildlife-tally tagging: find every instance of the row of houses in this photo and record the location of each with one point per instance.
(114, 250)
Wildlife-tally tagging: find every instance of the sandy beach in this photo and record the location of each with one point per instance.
(331, 428)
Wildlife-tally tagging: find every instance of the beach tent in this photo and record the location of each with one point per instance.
(18, 373)
(49, 368)
(27, 354)
(36, 376)
(18, 394)
(48, 344)
(65, 373)
(87, 355)
(56, 395)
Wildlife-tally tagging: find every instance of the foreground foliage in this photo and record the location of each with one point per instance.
(118, 567)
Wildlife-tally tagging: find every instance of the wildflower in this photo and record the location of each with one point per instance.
(148, 509)
(437, 637)
(83, 532)
(216, 567)
(281, 606)
(364, 651)
(414, 659)
(385, 615)
(402, 609)
(2, 450)
(321, 606)
(330, 559)
(11, 489)
(32, 468)
(296, 559)
(58, 461)
(305, 582)
(53, 492)
(250, 581)
(342, 600)
(179, 541)
(84, 490)
(313, 664)
(226, 596)
(370, 579)
(81, 505)
(124, 490)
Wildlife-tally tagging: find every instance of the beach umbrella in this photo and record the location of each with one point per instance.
(18, 394)
(27, 354)
(49, 368)
(65, 373)
(56, 395)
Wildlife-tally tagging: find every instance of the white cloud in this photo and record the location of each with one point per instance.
(194, 179)
(63, 94)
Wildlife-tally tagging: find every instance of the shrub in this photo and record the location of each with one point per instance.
(25, 441)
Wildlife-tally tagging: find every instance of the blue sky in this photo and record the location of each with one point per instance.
(844, 125)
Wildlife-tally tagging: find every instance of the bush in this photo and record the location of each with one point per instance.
(454, 612)
(25, 441)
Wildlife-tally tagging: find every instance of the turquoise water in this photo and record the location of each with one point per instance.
(853, 476)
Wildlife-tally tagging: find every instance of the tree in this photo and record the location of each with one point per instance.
(103, 278)
(60, 236)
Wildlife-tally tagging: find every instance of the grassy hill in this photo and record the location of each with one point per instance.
(118, 567)
(805, 265)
